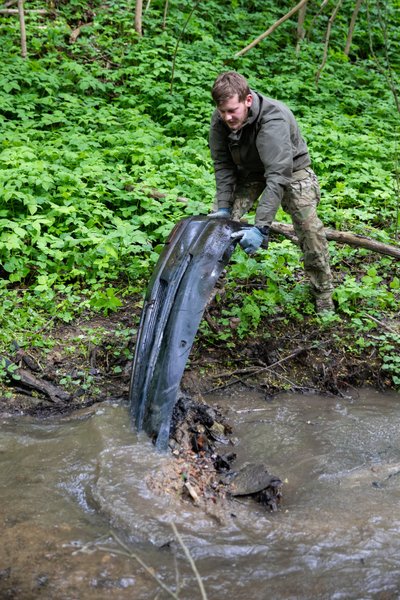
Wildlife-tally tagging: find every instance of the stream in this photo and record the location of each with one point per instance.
(76, 513)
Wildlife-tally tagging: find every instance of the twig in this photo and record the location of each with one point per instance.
(142, 564)
(127, 552)
(45, 326)
(246, 370)
(381, 323)
(177, 44)
(225, 385)
(282, 376)
(250, 410)
(257, 371)
(191, 561)
(315, 17)
(282, 360)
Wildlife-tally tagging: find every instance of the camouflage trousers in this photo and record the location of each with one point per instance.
(300, 201)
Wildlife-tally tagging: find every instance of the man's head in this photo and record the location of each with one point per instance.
(231, 94)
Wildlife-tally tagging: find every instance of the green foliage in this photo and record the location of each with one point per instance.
(7, 370)
(385, 343)
(368, 291)
(389, 350)
(105, 301)
(102, 151)
(261, 286)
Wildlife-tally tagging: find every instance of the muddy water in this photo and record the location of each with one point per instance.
(72, 487)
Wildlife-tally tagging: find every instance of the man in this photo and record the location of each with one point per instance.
(259, 154)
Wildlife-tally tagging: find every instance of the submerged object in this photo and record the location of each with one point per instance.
(254, 479)
(194, 257)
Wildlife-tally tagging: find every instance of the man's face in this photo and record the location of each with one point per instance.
(234, 112)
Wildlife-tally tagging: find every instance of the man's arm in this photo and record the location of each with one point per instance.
(275, 150)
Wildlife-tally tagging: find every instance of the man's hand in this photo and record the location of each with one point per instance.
(221, 212)
(252, 238)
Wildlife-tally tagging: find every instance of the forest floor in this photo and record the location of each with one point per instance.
(89, 361)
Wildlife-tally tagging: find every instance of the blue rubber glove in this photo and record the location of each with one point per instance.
(221, 212)
(251, 239)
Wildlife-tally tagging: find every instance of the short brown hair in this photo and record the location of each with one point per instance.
(227, 85)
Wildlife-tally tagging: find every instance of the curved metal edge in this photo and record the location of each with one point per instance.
(195, 254)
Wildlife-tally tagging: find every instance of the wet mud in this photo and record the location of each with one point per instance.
(90, 361)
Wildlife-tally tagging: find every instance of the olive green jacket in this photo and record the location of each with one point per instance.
(269, 147)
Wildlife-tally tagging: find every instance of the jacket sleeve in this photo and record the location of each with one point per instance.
(224, 168)
(276, 153)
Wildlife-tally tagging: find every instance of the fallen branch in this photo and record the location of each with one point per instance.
(15, 11)
(75, 33)
(271, 29)
(343, 237)
(21, 377)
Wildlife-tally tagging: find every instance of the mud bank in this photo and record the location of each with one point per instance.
(89, 361)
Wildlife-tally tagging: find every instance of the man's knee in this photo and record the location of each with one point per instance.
(316, 258)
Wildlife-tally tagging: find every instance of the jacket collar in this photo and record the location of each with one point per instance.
(254, 109)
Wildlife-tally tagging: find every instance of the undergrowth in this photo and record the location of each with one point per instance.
(103, 147)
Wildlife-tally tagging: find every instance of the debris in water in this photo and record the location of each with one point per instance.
(202, 475)
(254, 479)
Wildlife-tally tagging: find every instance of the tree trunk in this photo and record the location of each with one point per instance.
(300, 26)
(21, 14)
(343, 237)
(164, 24)
(327, 38)
(351, 26)
(138, 17)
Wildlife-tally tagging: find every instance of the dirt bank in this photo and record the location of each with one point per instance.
(89, 361)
